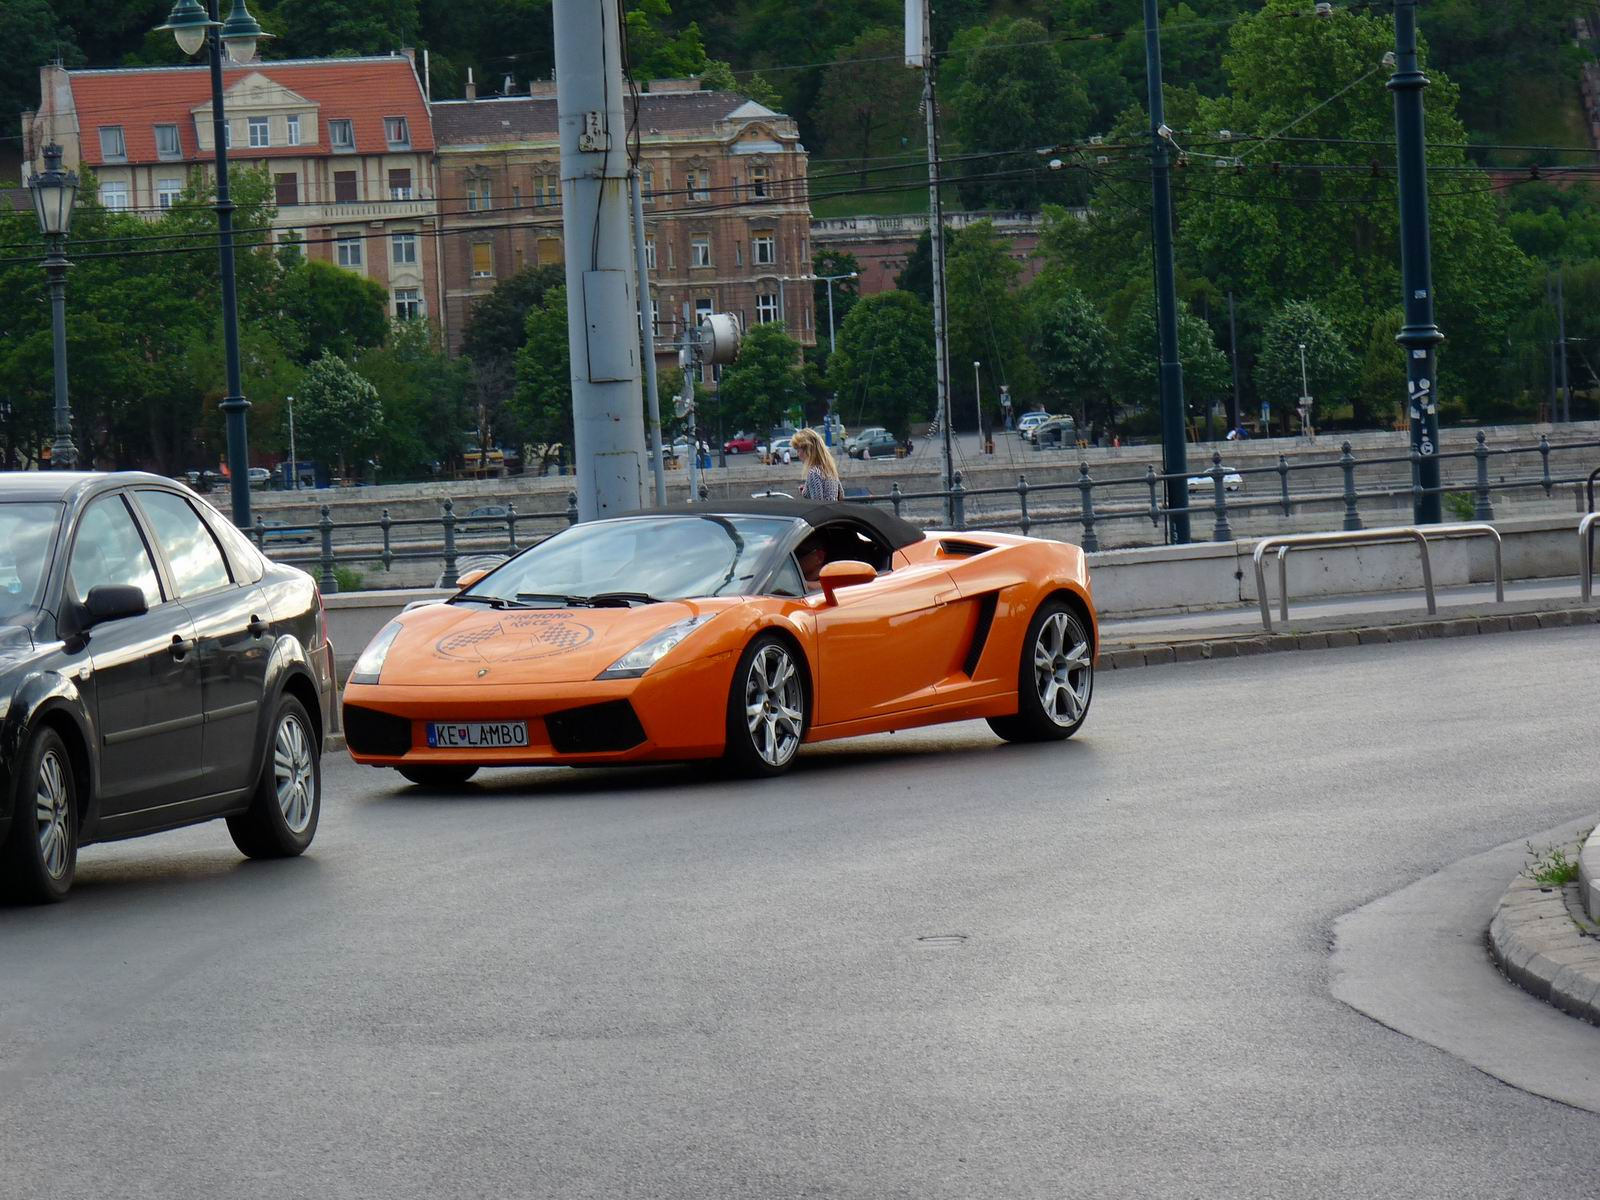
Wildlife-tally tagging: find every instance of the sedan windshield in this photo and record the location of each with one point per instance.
(637, 560)
(27, 532)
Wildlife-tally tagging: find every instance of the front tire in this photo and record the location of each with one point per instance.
(283, 814)
(40, 858)
(1055, 679)
(434, 775)
(767, 709)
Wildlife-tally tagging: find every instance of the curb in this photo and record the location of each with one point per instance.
(333, 742)
(1125, 658)
(1543, 941)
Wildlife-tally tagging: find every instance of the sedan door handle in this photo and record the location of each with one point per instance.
(257, 626)
(181, 646)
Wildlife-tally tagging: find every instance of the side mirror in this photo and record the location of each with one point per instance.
(467, 578)
(843, 574)
(113, 602)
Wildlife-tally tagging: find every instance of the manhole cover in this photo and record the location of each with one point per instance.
(942, 939)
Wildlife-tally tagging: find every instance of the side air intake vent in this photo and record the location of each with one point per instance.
(595, 728)
(370, 732)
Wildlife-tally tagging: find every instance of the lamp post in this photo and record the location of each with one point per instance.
(194, 26)
(977, 393)
(294, 459)
(54, 191)
(830, 280)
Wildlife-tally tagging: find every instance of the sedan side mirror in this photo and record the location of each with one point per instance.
(113, 602)
(843, 574)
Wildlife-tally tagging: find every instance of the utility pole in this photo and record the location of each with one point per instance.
(294, 460)
(1174, 441)
(1561, 343)
(1420, 336)
(919, 53)
(608, 427)
(647, 342)
(1233, 355)
(1550, 299)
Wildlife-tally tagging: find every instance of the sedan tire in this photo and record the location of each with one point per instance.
(437, 775)
(1055, 679)
(282, 817)
(767, 709)
(40, 858)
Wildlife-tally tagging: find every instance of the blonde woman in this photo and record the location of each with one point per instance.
(822, 473)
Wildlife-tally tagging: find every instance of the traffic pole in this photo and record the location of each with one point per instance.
(607, 417)
(1174, 441)
(1420, 336)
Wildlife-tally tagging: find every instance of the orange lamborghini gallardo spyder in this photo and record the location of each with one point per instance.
(739, 631)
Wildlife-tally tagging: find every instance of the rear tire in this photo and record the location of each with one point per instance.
(437, 775)
(283, 814)
(1055, 679)
(768, 709)
(40, 858)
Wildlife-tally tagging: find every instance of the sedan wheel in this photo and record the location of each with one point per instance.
(40, 858)
(766, 708)
(283, 813)
(1055, 680)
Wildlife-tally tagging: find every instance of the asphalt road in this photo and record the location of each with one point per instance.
(579, 984)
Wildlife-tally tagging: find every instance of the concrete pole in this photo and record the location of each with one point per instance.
(647, 343)
(1419, 336)
(1174, 440)
(608, 425)
(294, 459)
(1561, 343)
(941, 319)
(1233, 354)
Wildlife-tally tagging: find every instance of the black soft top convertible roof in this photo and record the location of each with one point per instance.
(815, 513)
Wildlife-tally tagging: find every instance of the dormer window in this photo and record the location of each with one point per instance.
(397, 133)
(342, 135)
(260, 132)
(758, 183)
(112, 147)
(292, 121)
(167, 144)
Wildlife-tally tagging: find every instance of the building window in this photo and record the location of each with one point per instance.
(479, 195)
(112, 147)
(114, 196)
(702, 309)
(650, 253)
(516, 196)
(168, 191)
(405, 248)
(758, 183)
(738, 254)
(698, 184)
(260, 131)
(647, 185)
(349, 245)
(342, 135)
(407, 304)
(396, 132)
(655, 318)
(293, 122)
(400, 183)
(482, 260)
(289, 243)
(766, 307)
(227, 134)
(167, 144)
(344, 187)
(700, 251)
(550, 252)
(763, 248)
(286, 189)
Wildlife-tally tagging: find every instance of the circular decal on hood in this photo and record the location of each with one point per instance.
(517, 639)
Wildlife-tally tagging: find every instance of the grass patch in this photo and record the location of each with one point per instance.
(1553, 867)
(348, 578)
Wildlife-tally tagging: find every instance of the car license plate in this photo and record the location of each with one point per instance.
(477, 735)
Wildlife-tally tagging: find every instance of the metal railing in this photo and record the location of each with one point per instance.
(1421, 535)
(1586, 528)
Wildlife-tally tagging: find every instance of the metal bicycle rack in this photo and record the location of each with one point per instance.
(1286, 543)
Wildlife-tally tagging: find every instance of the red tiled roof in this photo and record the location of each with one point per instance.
(361, 90)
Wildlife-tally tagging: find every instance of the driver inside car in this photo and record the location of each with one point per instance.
(812, 556)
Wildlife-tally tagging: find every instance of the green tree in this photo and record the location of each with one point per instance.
(657, 49)
(868, 103)
(1073, 349)
(764, 384)
(30, 34)
(330, 310)
(986, 318)
(542, 404)
(718, 76)
(883, 370)
(498, 326)
(1329, 366)
(1136, 362)
(424, 397)
(337, 411)
(319, 28)
(1381, 382)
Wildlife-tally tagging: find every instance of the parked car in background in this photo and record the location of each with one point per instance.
(1057, 431)
(879, 445)
(156, 671)
(1028, 422)
(259, 477)
(781, 451)
(851, 443)
(275, 530)
(1232, 481)
(740, 443)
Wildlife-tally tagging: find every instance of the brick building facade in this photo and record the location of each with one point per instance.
(348, 141)
(727, 213)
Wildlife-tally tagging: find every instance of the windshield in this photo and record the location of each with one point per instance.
(645, 558)
(27, 532)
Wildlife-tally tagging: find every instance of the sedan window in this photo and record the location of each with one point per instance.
(197, 562)
(27, 532)
(110, 552)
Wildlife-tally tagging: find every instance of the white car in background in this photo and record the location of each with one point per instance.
(1232, 481)
(1028, 422)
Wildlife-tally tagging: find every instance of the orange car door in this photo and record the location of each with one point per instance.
(885, 644)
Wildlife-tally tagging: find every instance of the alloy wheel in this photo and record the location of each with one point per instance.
(294, 774)
(774, 705)
(52, 811)
(1063, 667)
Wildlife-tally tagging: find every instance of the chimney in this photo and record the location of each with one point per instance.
(659, 86)
(472, 88)
(508, 85)
(543, 88)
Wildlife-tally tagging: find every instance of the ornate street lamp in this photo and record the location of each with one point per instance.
(54, 192)
(195, 25)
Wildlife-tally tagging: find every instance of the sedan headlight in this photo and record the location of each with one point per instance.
(370, 665)
(650, 651)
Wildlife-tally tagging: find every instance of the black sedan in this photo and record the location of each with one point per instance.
(876, 445)
(155, 671)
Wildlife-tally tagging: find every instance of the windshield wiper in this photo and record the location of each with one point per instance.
(622, 599)
(556, 598)
(491, 601)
